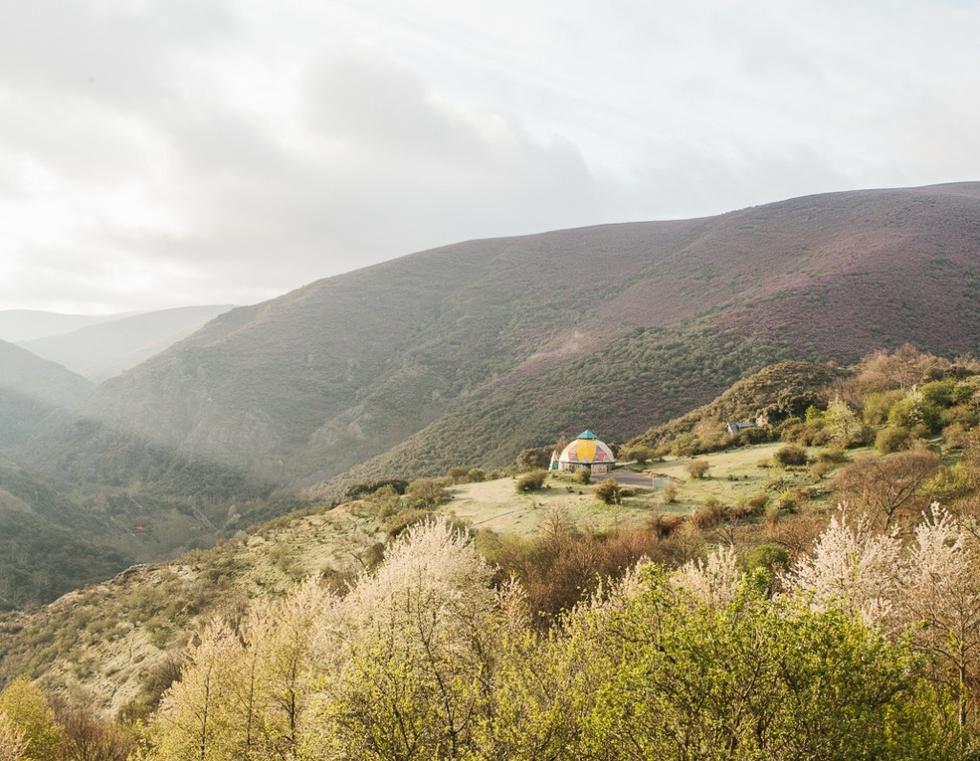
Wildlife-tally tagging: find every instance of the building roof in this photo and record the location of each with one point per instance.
(587, 449)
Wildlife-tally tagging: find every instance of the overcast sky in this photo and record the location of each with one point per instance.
(160, 153)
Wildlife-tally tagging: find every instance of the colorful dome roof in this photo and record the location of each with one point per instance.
(587, 449)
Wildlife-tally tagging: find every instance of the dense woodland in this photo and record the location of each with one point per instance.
(791, 626)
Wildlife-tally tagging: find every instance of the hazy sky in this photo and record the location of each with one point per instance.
(168, 152)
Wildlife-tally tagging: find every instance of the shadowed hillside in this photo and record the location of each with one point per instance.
(30, 389)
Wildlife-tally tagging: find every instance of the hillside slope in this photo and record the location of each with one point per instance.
(30, 389)
(303, 387)
(107, 348)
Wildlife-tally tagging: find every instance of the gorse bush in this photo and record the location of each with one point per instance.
(424, 659)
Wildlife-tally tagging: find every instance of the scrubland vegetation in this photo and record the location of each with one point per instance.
(426, 657)
(738, 613)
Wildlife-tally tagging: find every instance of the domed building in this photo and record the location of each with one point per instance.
(587, 452)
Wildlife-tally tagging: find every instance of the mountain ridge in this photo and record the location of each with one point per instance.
(466, 354)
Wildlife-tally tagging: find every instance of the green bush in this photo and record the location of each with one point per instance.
(917, 415)
(877, 405)
(531, 481)
(582, 476)
(768, 556)
(790, 455)
(892, 439)
(608, 492)
(426, 493)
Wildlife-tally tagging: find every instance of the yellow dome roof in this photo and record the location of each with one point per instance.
(587, 450)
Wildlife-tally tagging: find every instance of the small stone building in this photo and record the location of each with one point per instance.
(587, 452)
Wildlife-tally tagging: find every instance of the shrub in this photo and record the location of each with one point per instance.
(531, 481)
(476, 475)
(709, 515)
(698, 468)
(534, 458)
(758, 502)
(892, 439)
(877, 406)
(791, 454)
(642, 454)
(821, 468)
(670, 494)
(665, 525)
(426, 493)
(396, 524)
(916, 414)
(608, 492)
(458, 474)
(357, 491)
(768, 556)
(787, 502)
(582, 476)
(833, 455)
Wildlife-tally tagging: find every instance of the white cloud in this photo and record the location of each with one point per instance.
(158, 152)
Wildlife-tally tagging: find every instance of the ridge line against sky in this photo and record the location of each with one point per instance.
(162, 153)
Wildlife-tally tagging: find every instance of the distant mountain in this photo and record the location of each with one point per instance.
(31, 388)
(107, 348)
(18, 325)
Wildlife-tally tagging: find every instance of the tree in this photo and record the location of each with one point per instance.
(28, 712)
(534, 458)
(698, 468)
(852, 567)
(941, 593)
(13, 743)
(841, 422)
(660, 675)
(888, 488)
(197, 717)
(405, 669)
(86, 737)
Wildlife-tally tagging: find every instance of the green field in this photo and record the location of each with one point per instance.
(733, 476)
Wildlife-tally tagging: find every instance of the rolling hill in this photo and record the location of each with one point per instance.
(108, 347)
(468, 353)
